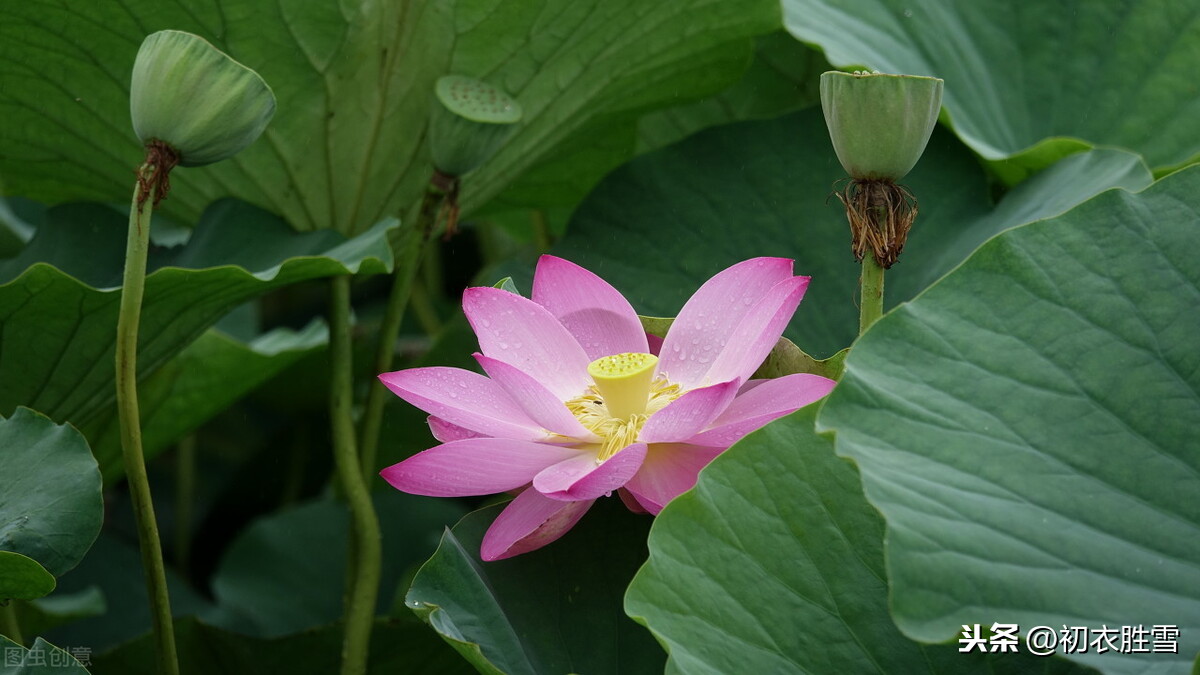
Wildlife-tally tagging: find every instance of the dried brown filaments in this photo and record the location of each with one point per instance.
(881, 213)
(156, 172)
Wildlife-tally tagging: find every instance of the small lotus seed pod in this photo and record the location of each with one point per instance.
(196, 99)
(879, 123)
(470, 121)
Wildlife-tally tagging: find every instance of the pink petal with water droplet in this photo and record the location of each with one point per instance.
(446, 432)
(524, 334)
(475, 466)
(537, 401)
(599, 317)
(529, 522)
(687, 415)
(581, 478)
(668, 471)
(707, 321)
(465, 399)
(759, 331)
(769, 401)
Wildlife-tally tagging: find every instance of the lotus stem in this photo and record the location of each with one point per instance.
(408, 262)
(151, 175)
(367, 557)
(871, 303)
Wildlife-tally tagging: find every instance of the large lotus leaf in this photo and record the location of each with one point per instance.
(783, 77)
(207, 377)
(663, 224)
(354, 83)
(59, 298)
(774, 564)
(1035, 80)
(42, 658)
(397, 646)
(50, 504)
(284, 573)
(585, 71)
(938, 244)
(554, 610)
(1028, 428)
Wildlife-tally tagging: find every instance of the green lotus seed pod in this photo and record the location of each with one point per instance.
(470, 121)
(195, 98)
(879, 123)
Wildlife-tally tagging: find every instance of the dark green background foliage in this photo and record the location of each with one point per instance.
(1015, 441)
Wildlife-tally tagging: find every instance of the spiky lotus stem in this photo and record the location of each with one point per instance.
(191, 105)
(151, 177)
(366, 560)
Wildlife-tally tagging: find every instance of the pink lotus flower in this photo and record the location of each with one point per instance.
(575, 406)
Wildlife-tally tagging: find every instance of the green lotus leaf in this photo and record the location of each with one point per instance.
(349, 144)
(22, 578)
(1028, 428)
(50, 504)
(59, 297)
(1028, 83)
(774, 563)
(554, 610)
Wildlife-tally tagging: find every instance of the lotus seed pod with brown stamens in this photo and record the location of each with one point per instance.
(879, 123)
(194, 99)
(470, 120)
